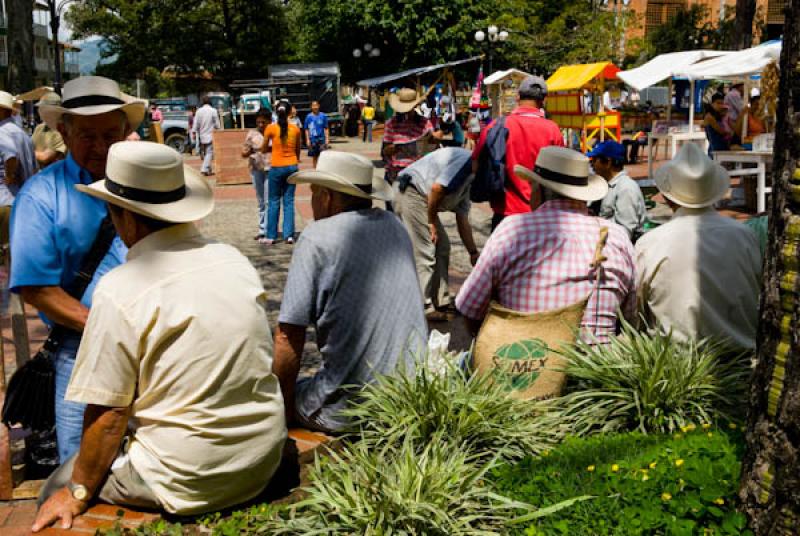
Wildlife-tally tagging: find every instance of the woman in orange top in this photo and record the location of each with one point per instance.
(286, 142)
(755, 121)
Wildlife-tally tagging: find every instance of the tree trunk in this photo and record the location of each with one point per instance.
(745, 13)
(770, 487)
(20, 45)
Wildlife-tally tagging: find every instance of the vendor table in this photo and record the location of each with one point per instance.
(760, 159)
(672, 142)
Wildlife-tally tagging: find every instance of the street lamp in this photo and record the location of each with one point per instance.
(494, 35)
(367, 50)
(56, 9)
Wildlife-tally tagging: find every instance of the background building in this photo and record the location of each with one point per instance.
(44, 70)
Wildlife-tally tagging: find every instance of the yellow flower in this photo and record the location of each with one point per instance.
(682, 482)
(677, 436)
(706, 426)
(732, 426)
(590, 468)
(614, 468)
(653, 465)
(678, 463)
(719, 501)
(684, 429)
(710, 434)
(645, 478)
(691, 427)
(666, 496)
(546, 453)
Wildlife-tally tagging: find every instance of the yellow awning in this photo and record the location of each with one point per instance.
(572, 77)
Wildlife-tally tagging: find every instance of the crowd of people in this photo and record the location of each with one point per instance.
(173, 392)
(730, 123)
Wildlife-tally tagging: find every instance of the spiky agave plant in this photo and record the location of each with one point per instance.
(648, 381)
(466, 409)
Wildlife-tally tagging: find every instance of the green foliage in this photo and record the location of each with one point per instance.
(683, 485)
(156, 528)
(648, 382)
(229, 38)
(470, 411)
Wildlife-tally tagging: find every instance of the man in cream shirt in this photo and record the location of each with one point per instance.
(177, 345)
(700, 274)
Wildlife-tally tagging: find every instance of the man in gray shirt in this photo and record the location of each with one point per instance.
(624, 203)
(17, 160)
(352, 277)
(438, 182)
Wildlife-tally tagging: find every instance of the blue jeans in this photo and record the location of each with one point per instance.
(368, 124)
(279, 189)
(69, 415)
(259, 182)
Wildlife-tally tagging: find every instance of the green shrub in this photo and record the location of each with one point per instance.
(465, 410)
(681, 484)
(648, 382)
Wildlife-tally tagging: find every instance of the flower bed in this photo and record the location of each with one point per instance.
(667, 484)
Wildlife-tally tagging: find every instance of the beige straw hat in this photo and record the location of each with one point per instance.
(692, 179)
(150, 179)
(93, 95)
(404, 100)
(565, 172)
(347, 173)
(6, 100)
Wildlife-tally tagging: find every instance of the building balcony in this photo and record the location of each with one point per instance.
(40, 30)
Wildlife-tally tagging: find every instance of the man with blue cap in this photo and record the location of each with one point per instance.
(624, 203)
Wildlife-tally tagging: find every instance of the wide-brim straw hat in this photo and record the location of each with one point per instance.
(565, 172)
(692, 179)
(347, 173)
(150, 179)
(404, 100)
(93, 95)
(6, 100)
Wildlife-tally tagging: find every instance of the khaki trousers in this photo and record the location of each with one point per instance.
(123, 486)
(432, 260)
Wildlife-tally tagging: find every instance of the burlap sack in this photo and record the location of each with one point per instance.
(516, 349)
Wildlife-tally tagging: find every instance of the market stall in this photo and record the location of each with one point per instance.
(745, 66)
(567, 102)
(502, 86)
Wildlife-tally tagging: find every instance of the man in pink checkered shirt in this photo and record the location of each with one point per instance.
(542, 260)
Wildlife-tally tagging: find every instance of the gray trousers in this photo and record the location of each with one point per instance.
(432, 260)
(207, 150)
(123, 486)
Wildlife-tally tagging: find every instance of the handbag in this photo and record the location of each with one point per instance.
(30, 396)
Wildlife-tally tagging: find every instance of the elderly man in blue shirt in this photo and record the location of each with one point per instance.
(53, 226)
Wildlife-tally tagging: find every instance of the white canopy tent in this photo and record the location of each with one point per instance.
(735, 65)
(496, 83)
(498, 77)
(661, 67)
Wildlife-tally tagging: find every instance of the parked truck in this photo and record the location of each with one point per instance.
(302, 83)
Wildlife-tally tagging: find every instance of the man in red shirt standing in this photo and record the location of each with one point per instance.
(528, 131)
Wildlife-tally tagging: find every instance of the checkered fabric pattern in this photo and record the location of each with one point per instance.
(541, 261)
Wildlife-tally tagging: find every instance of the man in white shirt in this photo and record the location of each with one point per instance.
(206, 120)
(699, 275)
(178, 345)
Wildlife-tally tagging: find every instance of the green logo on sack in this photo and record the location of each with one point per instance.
(517, 365)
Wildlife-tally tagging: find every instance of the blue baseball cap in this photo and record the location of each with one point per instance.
(608, 149)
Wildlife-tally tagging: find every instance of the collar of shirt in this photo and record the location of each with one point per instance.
(613, 182)
(75, 170)
(685, 211)
(9, 119)
(528, 110)
(564, 205)
(163, 239)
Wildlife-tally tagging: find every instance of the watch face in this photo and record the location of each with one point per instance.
(80, 493)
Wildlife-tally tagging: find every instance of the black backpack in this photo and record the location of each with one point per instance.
(490, 180)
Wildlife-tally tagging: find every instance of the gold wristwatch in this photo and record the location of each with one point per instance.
(79, 492)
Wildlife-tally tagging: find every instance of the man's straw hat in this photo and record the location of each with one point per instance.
(565, 172)
(93, 95)
(6, 100)
(150, 179)
(404, 100)
(692, 179)
(347, 173)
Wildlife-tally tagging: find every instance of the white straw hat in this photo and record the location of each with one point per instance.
(150, 179)
(692, 179)
(350, 174)
(6, 100)
(404, 100)
(565, 172)
(93, 95)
